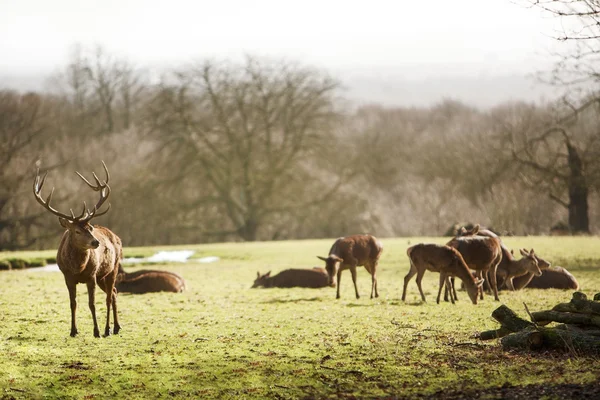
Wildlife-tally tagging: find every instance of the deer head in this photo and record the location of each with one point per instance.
(261, 280)
(532, 261)
(332, 265)
(80, 230)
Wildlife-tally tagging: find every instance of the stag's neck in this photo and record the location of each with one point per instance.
(70, 258)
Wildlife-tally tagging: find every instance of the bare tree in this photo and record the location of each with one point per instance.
(22, 126)
(252, 138)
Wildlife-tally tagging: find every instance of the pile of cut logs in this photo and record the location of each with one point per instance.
(578, 331)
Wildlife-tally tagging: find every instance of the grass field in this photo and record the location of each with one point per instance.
(221, 339)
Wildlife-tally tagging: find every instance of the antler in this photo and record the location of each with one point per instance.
(37, 190)
(101, 187)
(86, 215)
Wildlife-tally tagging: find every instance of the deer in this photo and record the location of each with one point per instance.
(509, 268)
(307, 278)
(351, 252)
(87, 254)
(512, 268)
(522, 281)
(482, 254)
(149, 281)
(552, 278)
(443, 259)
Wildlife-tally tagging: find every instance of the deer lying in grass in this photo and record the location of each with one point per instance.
(443, 259)
(307, 278)
(149, 281)
(551, 278)
(351, 252)
(482, 254)
(87, 254)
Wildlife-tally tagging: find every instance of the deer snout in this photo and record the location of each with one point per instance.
(95, 243)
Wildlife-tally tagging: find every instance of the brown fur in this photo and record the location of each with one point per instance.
(150, 281)
(351, 252)
(482, 254)
(307, 278)
(554, 278)
(87, 254)
(443, 259)
(510, 270)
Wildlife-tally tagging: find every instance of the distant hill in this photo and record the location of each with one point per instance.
(394, 88)
(478, 91)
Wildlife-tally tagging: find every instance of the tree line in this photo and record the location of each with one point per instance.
(269, 149)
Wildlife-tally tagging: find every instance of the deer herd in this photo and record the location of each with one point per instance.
(93, 254)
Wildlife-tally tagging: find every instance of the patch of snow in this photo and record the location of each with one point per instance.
(45, 268)
(174, 256)
(209, 259)
(161, 256)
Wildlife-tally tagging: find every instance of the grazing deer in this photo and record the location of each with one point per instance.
(482, 254)
(149, 281)
(87, 254)
(443, 259)
(307, 278)
(351, 252)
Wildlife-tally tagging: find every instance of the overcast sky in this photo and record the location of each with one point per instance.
(476, 34)
(418, 39)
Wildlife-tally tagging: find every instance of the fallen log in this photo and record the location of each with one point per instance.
(510, 322)
(578, 334)
(552, 339)
(545, 317)
(580, 304)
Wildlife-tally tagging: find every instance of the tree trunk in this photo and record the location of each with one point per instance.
(578, 193)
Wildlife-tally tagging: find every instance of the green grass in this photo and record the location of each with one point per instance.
(221, 339)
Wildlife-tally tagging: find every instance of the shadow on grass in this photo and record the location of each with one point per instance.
(284, 301)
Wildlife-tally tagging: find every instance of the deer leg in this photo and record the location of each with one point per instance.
(453, 282)
(450, 283)
(353, 272)
(407, 278)
(373, 271)
(492, 273)
(509, 283)
(419, 279)
(91, 286)
(479, 274)
(339, 279)
(114, 306)
(72, 287)
(442, 281)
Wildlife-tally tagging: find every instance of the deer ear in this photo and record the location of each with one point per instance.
(524, 252)
(268, 274)
(462, 231)
(532, 252)
(476, 229)
(63, 222)
(257, 274)
(321, 258)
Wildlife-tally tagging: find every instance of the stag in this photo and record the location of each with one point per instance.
(87, 254)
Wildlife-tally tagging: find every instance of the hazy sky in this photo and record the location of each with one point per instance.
(455, 36)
